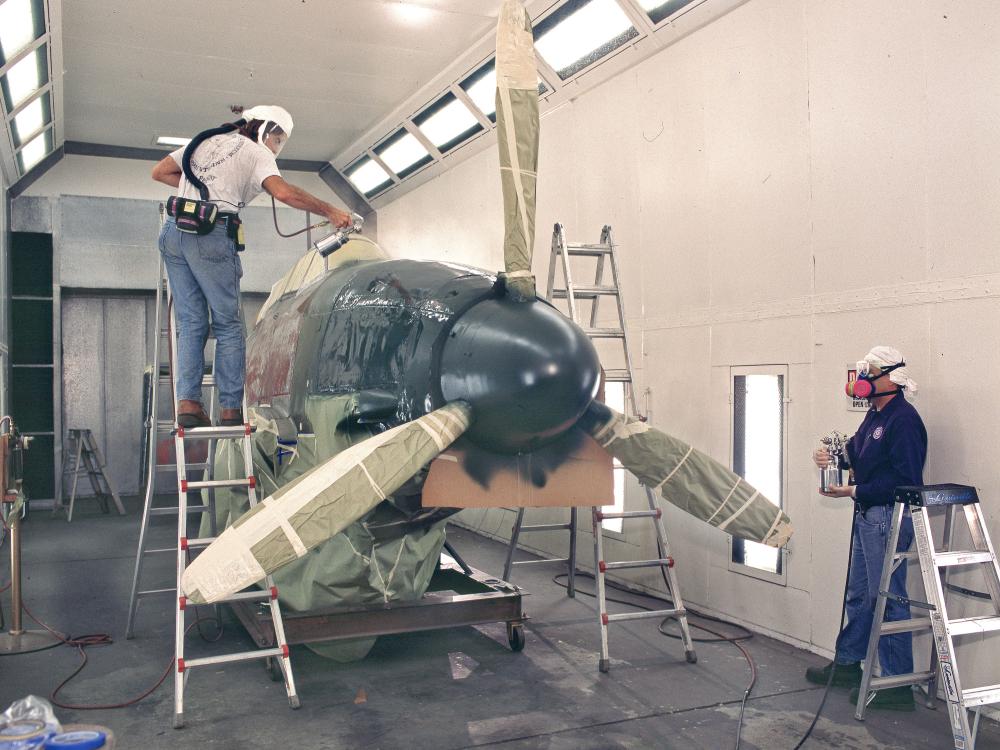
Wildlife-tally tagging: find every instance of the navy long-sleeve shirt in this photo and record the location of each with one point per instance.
(887, 451)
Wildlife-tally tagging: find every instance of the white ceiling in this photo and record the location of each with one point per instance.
(143, 68)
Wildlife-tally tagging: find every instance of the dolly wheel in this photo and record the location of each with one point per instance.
(273, 669)
(515, 636)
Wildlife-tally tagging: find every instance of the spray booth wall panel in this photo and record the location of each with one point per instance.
(107, 344)
(111, 243)
(794, 184)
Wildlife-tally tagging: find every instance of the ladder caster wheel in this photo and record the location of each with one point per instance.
(691, 656)
(274, 670)
(515, 636)
(604, 665)
(293, 701)
(179, 721)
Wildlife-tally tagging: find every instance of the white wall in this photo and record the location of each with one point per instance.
(790, 185)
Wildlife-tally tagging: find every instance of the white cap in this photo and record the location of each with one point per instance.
(887, 356)
(270, 113)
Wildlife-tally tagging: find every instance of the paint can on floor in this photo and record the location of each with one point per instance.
(82, 740)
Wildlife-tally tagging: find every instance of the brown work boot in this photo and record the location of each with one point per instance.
(192, 414)
(231, 417)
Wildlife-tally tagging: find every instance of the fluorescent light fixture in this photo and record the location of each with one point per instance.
(29, 119)
(33, 152)
(171, 140)
(17, 26)
(368, 176)
(660, 9)
(449, 122)
(24, 78)
(580, 33)
(411, 13)
(403, 152)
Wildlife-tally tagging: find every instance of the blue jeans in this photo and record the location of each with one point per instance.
(204, 273)
(871, 536)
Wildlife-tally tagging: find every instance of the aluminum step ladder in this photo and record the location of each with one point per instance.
(279, 654)
(83, 456)
(606, 258)
(935, 565)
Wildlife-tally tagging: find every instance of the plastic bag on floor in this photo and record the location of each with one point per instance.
(27, 724)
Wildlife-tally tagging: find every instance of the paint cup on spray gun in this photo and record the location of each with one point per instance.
(832, 475)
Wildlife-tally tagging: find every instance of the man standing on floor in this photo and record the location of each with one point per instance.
(887, 451)
(235, 165)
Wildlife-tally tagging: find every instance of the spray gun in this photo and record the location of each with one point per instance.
(336, 240)
(833, 474)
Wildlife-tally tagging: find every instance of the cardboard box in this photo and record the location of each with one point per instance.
(549, 477)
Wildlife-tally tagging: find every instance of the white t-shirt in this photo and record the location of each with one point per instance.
(232, 167)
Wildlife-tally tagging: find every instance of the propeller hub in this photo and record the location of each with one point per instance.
(527, 370)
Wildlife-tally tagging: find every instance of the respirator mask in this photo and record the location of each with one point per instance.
(276, 125)
(864, 386)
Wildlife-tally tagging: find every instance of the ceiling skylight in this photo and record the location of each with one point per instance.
(34, 151)
(403, 153)
(660, 9)
(25, 77)
(18, 26)
(482, 89)
(29, 120)
(368, 176)
(447, 123)
(580, 33)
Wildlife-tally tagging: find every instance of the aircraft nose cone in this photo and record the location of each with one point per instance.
(527, 370)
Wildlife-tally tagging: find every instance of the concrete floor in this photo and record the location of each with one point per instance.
(444, 689)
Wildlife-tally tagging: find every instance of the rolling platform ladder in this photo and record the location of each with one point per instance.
(605, 256)
(934, 567)
(185, 545)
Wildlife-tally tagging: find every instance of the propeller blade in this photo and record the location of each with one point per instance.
(320, 504)
(687, 478)
(517, 137)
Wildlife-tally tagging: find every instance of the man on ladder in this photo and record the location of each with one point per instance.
(888, 451)
(228, 167)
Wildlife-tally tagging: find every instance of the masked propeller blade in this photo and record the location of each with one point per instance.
(687, 478)
(319, 504)
(517, 137)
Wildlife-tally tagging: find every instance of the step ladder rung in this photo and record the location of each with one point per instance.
(209, 484)
(208, 381)
(645, 615)
(604, 333)
(545, 527)
(981, 696)
(199, 543)
(171, 510)
(898, 680)
(617, 376)
(215, 433)
(162, 550)
(587, 249)
(665, 562)
(154, 592)
(970, 557)
(249, 596)
(631, 514)
(541, 560)
(911, 625)
(230, 658)
(974, 625)
(586, 292)
(172, 468)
